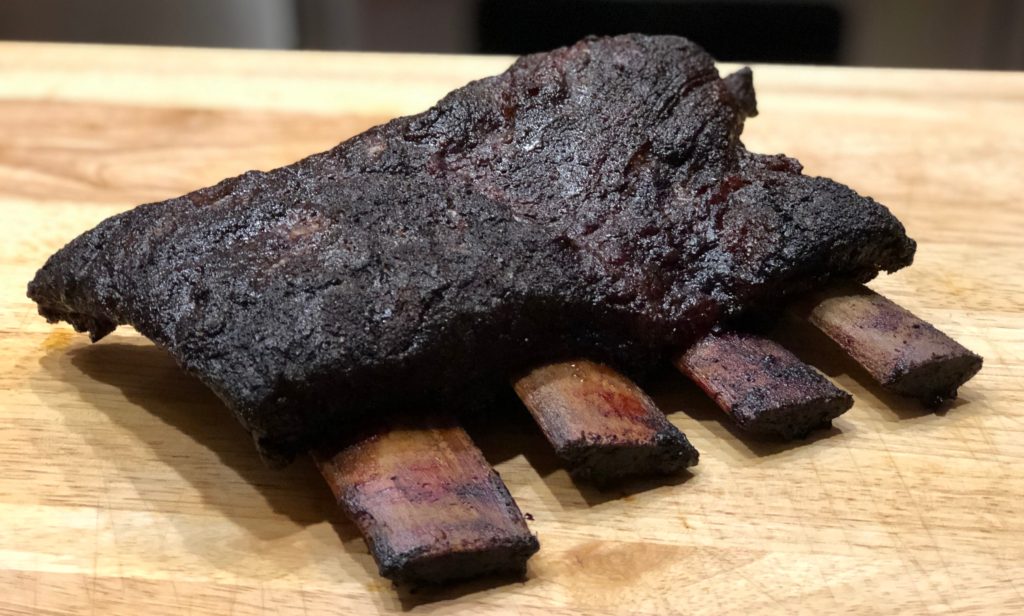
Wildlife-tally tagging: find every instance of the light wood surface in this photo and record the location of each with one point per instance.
(127, 489)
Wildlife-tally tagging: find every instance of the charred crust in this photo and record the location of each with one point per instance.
(741, 85)
(591, 201)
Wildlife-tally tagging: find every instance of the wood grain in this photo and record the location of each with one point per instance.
(127, 488)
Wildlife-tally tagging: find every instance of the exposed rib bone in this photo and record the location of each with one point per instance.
(763, 386)
(902, 352)
(601, 424)
(427, 502)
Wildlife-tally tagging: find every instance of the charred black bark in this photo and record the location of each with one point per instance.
(591, 201)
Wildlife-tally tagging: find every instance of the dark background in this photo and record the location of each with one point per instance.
(919, 33)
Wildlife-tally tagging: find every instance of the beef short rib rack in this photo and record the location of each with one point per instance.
(594, 201)
(590, 202)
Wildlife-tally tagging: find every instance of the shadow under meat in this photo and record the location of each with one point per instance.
(412, 596)
(629, 487)
(506, 430)
(149, 378)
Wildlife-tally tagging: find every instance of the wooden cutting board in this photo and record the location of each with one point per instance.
(126, 488)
